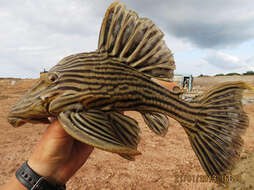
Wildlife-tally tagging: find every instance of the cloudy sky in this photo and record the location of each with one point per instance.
(206, 37)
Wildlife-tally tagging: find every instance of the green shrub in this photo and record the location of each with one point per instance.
(231, 74)
(249, 73)
(221, 74)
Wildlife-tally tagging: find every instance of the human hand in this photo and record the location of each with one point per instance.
(58, 156)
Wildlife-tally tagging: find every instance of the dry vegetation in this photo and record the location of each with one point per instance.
(163, 159)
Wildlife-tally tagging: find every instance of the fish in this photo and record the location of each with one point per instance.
(88, 93)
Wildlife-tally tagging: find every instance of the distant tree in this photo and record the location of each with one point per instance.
(231, 74)
(201, 75)
(249, 73)
(221, 74)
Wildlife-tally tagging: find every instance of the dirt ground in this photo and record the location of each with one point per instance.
(166, 162)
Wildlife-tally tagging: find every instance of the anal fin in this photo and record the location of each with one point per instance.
(157, 122)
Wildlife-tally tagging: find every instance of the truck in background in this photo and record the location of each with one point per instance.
(182, 83)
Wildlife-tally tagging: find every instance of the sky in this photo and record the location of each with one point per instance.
(206, 37)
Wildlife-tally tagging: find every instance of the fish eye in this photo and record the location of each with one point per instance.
(53, 77)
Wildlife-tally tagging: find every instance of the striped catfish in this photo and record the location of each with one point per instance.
(88, 92)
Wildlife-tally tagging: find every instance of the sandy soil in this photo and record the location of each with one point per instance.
(162, 161)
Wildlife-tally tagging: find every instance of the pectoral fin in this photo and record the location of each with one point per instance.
(107, 131)
(157, 122)
(127, 157)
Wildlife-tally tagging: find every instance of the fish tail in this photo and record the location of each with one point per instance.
(136, 42)
(216, 135)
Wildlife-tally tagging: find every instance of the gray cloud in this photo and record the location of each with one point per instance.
(250, 60)
(224, 61)
(217, 35)
(37, 34)
(207, 24)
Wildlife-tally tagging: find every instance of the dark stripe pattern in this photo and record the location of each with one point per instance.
(106, 84)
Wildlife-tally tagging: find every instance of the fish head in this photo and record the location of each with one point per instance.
(33, 107)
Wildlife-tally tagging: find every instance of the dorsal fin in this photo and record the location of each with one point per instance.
(135, 41)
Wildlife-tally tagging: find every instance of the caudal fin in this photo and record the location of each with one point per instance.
(216, 136)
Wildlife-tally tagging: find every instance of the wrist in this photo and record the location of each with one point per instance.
(33, 181)
(46, 170)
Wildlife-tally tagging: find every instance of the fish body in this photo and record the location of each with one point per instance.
(87, 92)
(109, 85)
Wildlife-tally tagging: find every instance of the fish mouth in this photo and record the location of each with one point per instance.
(17, 121)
